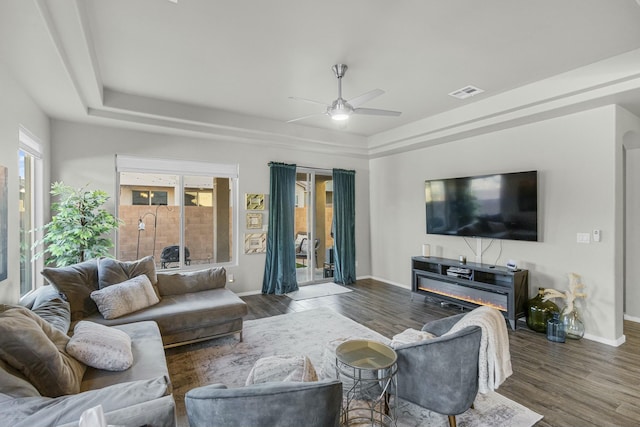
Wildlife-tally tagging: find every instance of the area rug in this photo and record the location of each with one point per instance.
(319, 290)
(228, 361)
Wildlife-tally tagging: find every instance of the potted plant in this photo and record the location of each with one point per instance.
(77, 230)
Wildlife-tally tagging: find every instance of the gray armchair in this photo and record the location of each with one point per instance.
(441, 374)
(275, 404)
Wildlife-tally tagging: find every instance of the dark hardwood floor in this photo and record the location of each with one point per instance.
(578, 383)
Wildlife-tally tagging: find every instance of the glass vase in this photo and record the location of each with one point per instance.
(539, 312)
(573, 324)
(555, 329)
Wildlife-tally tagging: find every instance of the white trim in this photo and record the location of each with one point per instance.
(29, 143)
(632, 318)
(614, 343)
(125, 163)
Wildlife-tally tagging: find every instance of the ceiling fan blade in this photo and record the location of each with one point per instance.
(376, 112)
(309, 100)
(365, 97)
(306, 117)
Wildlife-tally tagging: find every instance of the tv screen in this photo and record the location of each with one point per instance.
(501, 206)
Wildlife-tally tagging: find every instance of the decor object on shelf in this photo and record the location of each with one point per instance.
(77, 231)
(555, 329)
(540, 311)
(570, 315)
(254, 202)
(255, 243)
(254, 220)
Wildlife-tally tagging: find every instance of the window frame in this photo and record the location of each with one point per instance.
(31, 146)
(182, 168)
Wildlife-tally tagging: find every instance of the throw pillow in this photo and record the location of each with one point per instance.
(410, 336)
(57, 312)
(191, 281)
(282, 368)
(111, 271)
(76, 282)
(100, 346)
(37, 350)
(126, 297)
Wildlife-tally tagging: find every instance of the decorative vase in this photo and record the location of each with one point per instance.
(539, 312)
(555, 329)
(573, 324)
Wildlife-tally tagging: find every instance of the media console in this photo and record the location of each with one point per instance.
(472, 285)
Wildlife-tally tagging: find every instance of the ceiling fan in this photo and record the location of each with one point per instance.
(340, 109)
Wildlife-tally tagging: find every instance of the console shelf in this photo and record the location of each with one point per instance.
(471, 285)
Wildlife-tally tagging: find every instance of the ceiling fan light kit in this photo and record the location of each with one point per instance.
(341, 109)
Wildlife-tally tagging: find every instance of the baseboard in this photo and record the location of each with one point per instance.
(400, 285)
(614, 343)
(244, 294)
(632, 318)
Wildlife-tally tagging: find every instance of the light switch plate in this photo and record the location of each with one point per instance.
(583, 238)
(597, 235)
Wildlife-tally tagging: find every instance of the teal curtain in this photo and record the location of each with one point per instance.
(280, 266)
(344, 223)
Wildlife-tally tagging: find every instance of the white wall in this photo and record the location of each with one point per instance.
(17, 108)
(575, 156)
(86, 154)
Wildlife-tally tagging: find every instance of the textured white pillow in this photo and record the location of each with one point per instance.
(126, 297)
(282, 368)
(410, 336)
(100, 346)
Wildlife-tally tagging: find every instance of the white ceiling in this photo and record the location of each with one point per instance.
(226, 69)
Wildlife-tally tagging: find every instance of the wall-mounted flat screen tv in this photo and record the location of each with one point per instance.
(500, 206)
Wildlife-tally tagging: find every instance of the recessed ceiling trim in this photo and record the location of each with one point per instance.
(45, 13)
(227, 134)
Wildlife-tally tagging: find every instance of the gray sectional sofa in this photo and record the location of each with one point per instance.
(192, 306)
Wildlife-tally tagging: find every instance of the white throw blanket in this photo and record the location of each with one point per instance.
(494, 357)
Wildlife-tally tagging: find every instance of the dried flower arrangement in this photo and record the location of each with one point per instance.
(575, 291)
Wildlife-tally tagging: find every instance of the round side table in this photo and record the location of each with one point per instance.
(368, 371)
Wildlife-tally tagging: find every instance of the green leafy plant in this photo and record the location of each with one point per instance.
(77, 232)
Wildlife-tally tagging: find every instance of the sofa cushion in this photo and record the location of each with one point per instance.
(57, 312)
(148, 358)
(28, 412)
(193, 281)
(177, 313)
(36, 349)
(100, 346)
(14, 384)
(111, 271)
(76, 282)
(131, 295)
(282, 368)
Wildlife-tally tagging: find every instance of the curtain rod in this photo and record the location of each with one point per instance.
(306, 167)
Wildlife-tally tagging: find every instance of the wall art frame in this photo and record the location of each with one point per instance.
(255, 243)
(254, 201)
(254, 221)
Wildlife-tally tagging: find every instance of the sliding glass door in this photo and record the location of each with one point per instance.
(313, 218)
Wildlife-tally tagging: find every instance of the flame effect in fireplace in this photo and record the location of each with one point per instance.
(467, 298)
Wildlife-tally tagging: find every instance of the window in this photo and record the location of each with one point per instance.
(182, 213)
(30, 211)
(148, 197)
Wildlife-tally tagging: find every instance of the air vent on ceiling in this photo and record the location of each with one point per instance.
(466, 92)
